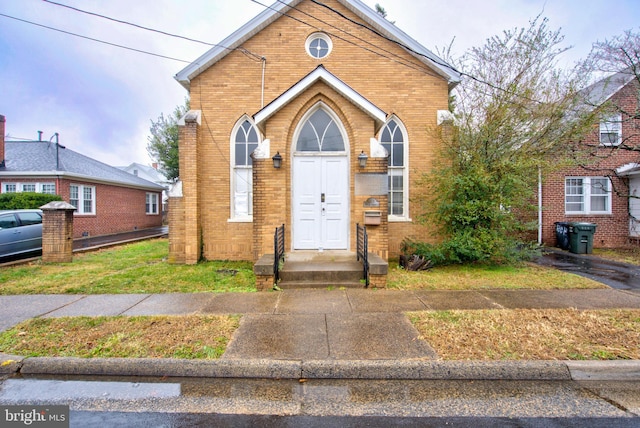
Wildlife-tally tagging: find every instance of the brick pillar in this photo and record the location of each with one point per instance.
(57, 232)
(188, 148)
(176, 230)
(260, 202)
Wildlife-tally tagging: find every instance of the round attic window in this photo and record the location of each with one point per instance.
(318, 45)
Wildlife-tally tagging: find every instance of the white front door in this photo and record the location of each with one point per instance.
(320, 203)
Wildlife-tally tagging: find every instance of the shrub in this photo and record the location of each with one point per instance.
(25, 200)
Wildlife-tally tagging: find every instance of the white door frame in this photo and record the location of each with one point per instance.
(320, 205)
(322, 209)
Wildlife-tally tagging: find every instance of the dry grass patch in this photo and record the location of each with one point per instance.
(194, 336)
(625, 255)
(549, 334)
(475, 277)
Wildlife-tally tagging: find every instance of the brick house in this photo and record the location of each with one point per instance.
(600, 189)
(318, 87)
(108, 200)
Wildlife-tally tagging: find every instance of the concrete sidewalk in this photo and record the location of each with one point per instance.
(349, 333)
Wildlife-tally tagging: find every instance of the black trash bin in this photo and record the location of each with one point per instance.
(581, 237)
(562, 234)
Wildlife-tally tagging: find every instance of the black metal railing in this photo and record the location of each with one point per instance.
(278, 251)
(362, 252)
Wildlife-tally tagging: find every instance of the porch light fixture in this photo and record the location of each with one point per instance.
(362, 159)
(277, 160)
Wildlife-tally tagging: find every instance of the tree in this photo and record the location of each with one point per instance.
(163, 142)
(382, 12)
(621, 54)
(514, 113)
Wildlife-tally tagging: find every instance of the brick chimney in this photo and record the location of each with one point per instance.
(2, 121)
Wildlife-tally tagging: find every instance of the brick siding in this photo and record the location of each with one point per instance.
(231, 88)
(612, 229)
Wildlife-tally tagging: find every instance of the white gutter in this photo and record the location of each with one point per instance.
(4, 175)
(539, 206)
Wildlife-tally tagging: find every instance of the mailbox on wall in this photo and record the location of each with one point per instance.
(372, 218)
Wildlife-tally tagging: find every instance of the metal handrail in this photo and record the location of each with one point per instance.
(362, 252)
(278, 251)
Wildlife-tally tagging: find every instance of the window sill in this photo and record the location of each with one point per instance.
(399, 220)
(240, 220)
(588, 214)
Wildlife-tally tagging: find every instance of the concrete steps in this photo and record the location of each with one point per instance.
(321, 270)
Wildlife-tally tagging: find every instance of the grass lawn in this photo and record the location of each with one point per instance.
(193, 336)
(475, 277)
(143, 268)
(128, 269)
(455, 335)
(531, 334)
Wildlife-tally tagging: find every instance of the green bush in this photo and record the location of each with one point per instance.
(25, 200)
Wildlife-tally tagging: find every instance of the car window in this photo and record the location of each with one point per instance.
(7, 221)
(30, 218)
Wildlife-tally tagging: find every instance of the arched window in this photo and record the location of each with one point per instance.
(320, 133)
(393, 138)
(244, 141)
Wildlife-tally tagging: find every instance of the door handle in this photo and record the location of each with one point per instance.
(322, 197)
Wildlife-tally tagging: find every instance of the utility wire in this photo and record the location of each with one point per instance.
(246, 51)
(95, 40)
(397, 58)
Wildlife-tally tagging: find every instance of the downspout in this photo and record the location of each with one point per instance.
(539, 206)
(264, 66)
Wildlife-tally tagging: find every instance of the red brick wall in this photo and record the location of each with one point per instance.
(612, 229)
(118, 209)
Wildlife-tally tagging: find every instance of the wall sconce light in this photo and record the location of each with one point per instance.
(277, 160)
(362, 159)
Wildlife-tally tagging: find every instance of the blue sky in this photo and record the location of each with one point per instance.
(101, 99)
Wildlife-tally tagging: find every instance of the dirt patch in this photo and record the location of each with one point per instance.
(550, 334)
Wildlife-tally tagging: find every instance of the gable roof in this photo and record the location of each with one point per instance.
(42, 158)
(145, 171)
(280, 7)
(321, 74)
(598, 93)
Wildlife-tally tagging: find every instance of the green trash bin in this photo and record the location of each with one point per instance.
(581, 237)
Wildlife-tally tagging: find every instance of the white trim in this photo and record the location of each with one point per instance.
(346, 154)
(405, 170)
(233, 217)
(586, 196)
(611, 124)
(322, 74)
(275, 11)
(158, 203)
(74, 176)
(19, 186)
(315, 36)
(80, 208)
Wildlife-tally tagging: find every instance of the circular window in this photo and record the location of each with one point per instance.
(319, 45)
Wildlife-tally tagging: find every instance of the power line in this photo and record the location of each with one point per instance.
(410, 65)
(397, 58)
(95, 40)
(246, 51)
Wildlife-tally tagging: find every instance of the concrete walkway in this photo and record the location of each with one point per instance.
(316, 333)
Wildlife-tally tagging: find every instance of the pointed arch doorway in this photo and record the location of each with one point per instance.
(320, 182)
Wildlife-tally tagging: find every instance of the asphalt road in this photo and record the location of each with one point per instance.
(182, 402)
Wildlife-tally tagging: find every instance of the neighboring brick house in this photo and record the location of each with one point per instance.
(319, 86)
(152, 174)
(598, 191)
(108, 199)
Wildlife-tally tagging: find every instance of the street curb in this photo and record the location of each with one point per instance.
(326, 369)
